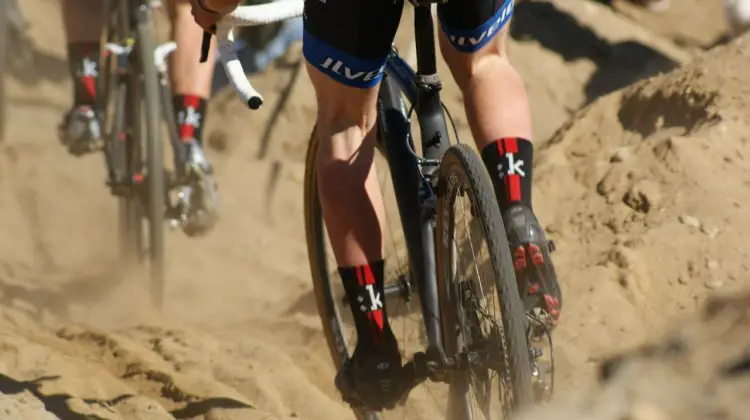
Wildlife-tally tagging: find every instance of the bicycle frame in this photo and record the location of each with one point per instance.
(129, 85)
(422, 89)
(118, 140)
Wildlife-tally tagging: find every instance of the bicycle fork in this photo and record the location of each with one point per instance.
(120, 177)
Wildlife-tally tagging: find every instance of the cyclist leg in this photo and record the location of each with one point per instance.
(473, 40)
(83, 20)
(346, 43)
(191, 84)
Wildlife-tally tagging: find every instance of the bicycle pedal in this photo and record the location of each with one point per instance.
(536, 352)
(175, 224)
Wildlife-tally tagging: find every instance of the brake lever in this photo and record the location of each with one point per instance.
(206, 44)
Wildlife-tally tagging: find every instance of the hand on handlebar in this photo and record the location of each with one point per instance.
(207, 12)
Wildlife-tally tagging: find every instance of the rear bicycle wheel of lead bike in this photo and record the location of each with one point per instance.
(119, 108)
(401, 295)
(483, 317)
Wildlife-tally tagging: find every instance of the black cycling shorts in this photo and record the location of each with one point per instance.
(349, 40)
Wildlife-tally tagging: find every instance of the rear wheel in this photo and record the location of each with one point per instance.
(428, 400)
(328, 293)
(482, 312)
(118, 110)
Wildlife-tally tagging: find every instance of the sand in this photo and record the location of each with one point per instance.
(642, 183)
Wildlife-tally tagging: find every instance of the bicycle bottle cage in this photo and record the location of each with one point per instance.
(418, 3)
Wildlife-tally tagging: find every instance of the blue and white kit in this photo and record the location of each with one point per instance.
(349, 40)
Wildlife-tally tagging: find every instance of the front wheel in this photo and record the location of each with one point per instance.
(155, 158)
(483, 316)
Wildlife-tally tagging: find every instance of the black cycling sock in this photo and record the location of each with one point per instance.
(83, 61)
(364, 287)
(190, 113)
(509, 162)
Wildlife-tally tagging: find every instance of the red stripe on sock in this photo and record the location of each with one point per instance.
(360, 280)
(187, 131)
(511, 145)
(192, 101)
(369, 278)
(514, 188)
(378, 315)
(89, 86)
(375, 316)
(500, 150)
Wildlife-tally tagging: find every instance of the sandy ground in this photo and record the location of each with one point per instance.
(642, 190)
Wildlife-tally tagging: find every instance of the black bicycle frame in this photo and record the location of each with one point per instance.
(119, 150)
(414, 182)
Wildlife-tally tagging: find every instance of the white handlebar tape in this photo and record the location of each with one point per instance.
(250, 16)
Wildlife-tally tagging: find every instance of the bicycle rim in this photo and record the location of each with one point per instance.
(325, 297)
(154, 157)
(469, 325)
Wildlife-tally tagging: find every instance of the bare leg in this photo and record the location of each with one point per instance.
(495, 98)
(191, 84)
(83, 20)
(345, 45)
(189, 76)
(348, 185)
(498, 112)
(191, 79)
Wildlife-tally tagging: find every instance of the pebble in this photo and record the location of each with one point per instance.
(712, 232)
(690, 221)
(714, 284)
(646, 411)
(620, 155)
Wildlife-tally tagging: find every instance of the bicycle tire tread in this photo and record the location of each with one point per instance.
(154, 158)
(512, 309)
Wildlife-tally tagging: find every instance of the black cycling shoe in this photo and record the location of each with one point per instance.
(537, 281)
(372, 380)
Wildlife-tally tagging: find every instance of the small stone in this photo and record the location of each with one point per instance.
(552, 228)
(646, 411)
(620, 155)
(712, 264)
(643, 196)
(711, 231)
(682, 280)
(690, 221)
(713, 284)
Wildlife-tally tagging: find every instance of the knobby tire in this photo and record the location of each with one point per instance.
(461, 167)
(154, 157)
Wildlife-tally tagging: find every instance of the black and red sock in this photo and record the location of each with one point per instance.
(364, 285)
(83, 59)
(509, 162)
(190, 112)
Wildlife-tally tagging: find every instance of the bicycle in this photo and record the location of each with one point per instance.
(426, 187)
(136, 99)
